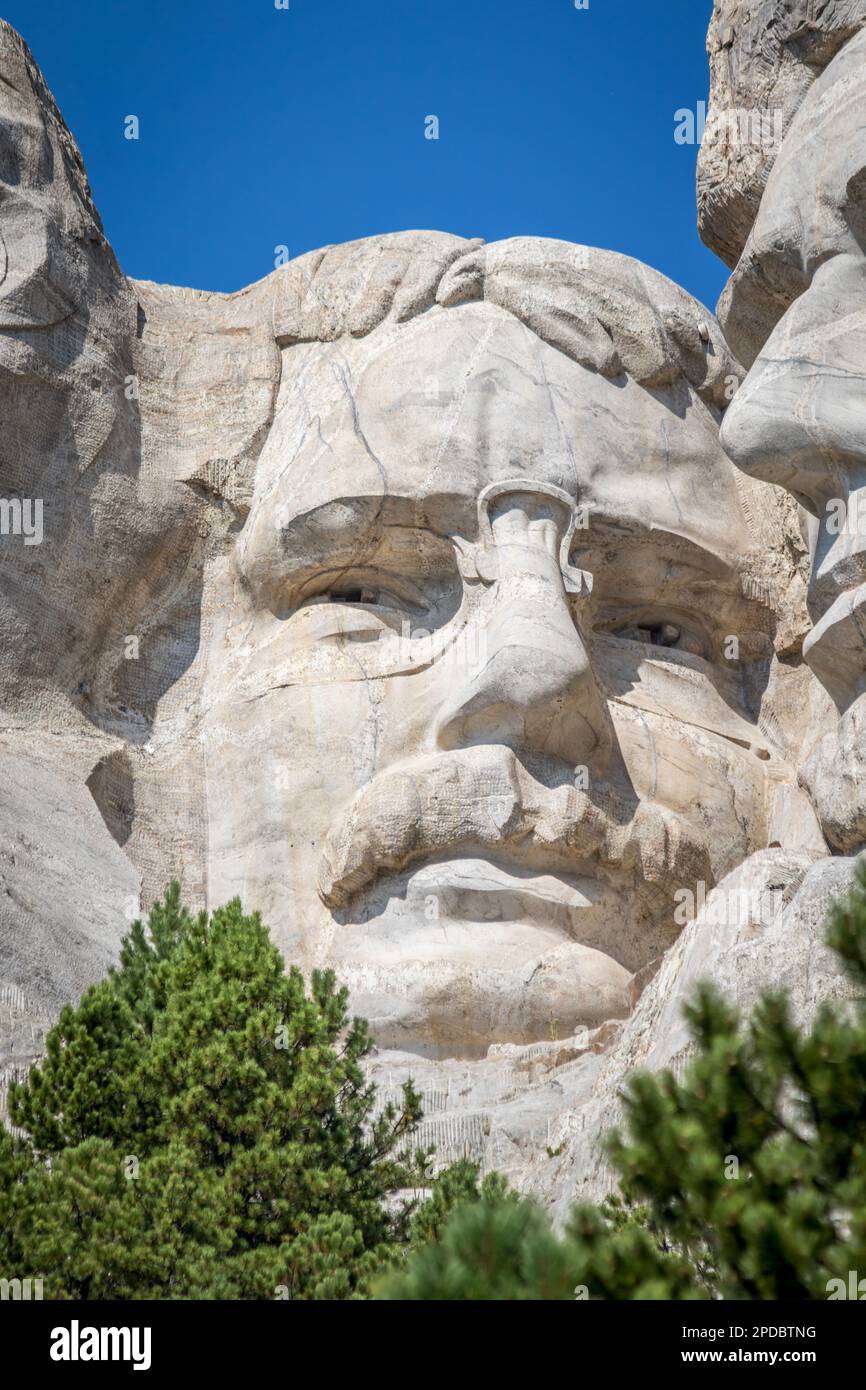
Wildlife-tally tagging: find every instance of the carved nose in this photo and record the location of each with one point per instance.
(531, 686)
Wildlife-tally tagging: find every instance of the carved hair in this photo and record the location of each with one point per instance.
(606, 311)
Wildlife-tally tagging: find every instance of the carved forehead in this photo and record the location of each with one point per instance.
(410, 429)
(462, 397)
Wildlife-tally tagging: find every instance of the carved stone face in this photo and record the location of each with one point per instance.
(471, 718)
(797, 306)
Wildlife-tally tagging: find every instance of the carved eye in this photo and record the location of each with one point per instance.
(353, 610)
(371, 597)
(660, 634)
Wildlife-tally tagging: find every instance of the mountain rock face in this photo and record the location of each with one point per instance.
(764, 56)
(410, 595)
(795, 313)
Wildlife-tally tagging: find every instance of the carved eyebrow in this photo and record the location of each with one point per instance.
(718, 592)
(609, 539)
(412, 562)
(383, 511)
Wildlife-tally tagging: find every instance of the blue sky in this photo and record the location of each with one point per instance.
(263, 127)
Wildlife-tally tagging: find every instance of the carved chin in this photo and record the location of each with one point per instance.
(459, 1008)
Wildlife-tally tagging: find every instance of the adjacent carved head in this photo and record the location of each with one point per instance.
(795, 311)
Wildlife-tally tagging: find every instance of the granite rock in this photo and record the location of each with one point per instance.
(764, 56)
(409, 595)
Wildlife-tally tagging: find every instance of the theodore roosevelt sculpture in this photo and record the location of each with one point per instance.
(482, 826)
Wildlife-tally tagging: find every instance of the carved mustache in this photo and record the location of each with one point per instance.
(484, 798)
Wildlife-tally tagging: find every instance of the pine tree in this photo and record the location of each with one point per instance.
(744, 1180)
(200, 1127)
(755, 1166)
(16, 1163)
